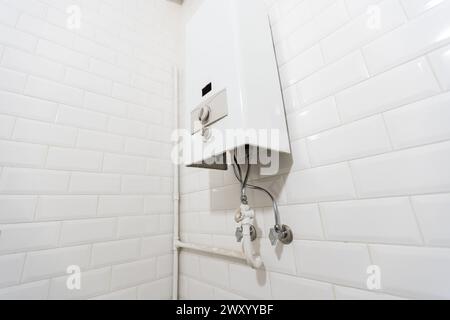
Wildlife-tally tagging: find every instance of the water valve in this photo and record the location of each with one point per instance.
(282, 234)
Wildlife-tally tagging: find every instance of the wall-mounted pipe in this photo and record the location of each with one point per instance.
(176, 193)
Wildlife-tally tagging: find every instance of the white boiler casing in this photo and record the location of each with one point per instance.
(232, 75)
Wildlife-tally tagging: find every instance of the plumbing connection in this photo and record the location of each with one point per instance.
(244, 217)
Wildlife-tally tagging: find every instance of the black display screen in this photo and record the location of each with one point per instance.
(207, 89)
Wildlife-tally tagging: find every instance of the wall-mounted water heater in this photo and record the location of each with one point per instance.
(233, 92)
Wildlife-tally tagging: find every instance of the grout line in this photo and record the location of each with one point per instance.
(388, 132)
(430, 64)
(416, 219)
(322, 222)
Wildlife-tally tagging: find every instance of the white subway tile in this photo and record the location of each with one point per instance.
(31, 64)
(120, 205)
(71, 159)
(313, 119)
(160, 168)
(420, 123)
(127, 294)
(198, 290)
(279, 10)
(13, 37)
(148, 85)
(413, 272)
(434, 218)
(54, 92)
(45, 133)
(137, 226)
(363, 29)
(158, 204)
(292, 99)
(96, 282)
(340, 75)
(29, 181)
(127, 127)
(164, 266)
(22, 106)
(6, 126)
(251, 283)
(32, 7)
(320, 184)
(156, 246)
(12, 80)
(189, 264)
(405, 84)
(105, 104)
(129, 94)
(28, 291)
(158, 290)
(358, 139)
(409, 41)
(143, 147)
(277, 258)
(301, 13)
(301, 66)
(100, 141)
(440, 61)
(304, 220)
(87, 81)
(81, 118)
(300, 156)
(286, 287)
(62, 54)
(109, 71)
(87, 231)
(141, 184)
(110, 253)
(94, 183)
(214, 271)
(415, 8)
(42, 29)
(28, 236)
(11, 266)
(124, 164)
(55, 262)
(8, 15)
(66, 207)
(340, 263)
(308, 35)
(134, 273)
(389, 220)
(413, 171)
(22, 154)
(146, 114)
(17, 208)
(357, 7)
(345, 293)
(92, 48)
(220, 294)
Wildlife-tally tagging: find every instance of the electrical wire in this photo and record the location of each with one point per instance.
(244, 184)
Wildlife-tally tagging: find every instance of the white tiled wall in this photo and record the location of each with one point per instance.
(85, 170)
(366, 87)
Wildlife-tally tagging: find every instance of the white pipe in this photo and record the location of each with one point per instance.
(212, 250)
(176, 194)
(247, 221)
